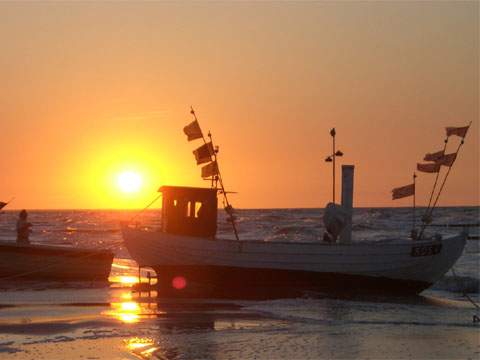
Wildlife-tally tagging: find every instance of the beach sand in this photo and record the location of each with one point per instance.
(53, 324)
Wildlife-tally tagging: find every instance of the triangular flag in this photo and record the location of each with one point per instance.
(459, 131)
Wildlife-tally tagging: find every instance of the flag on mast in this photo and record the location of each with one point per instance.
(434, 156)
(429, 168)
(2, 204)
(204, 153)
(447, 160)
(403, 191)
(193, 131)
(210, 170)
(459, 131)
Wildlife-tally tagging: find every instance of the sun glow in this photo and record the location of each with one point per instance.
(105, 186)
(129, 182)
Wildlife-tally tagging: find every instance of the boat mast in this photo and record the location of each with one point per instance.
(427, 219)
(217, 179)
(435, 184)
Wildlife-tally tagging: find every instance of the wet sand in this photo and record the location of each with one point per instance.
(53, 324)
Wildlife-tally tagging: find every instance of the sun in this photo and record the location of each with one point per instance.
(129, 182)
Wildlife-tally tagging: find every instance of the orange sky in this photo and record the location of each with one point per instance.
(89, 90)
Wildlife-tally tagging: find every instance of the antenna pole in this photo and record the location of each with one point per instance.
(332, 132)
(331, 158)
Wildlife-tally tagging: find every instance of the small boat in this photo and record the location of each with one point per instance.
(47, 262)
(187, 255)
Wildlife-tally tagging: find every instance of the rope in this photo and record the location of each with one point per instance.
(475, 317)
(436, 180)
(463, 291)
(146, 207)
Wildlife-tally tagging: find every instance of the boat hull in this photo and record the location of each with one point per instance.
(42, 262)
(234, 282)
(229, 268)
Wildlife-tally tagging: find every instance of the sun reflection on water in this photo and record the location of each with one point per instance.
(127, 312)
(125, 280)
(138, 343)
(126, 296)
(129, 308)
(143, 347)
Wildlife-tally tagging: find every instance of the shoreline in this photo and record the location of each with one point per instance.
(128, 328)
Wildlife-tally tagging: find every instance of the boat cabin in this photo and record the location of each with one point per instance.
(189, 211)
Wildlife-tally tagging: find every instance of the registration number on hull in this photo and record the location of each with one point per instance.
(426, 250)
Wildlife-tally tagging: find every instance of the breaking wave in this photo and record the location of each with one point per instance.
(459, 284)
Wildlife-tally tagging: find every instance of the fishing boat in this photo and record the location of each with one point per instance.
(187, 249)
(47, 262)
(24, 260)
(187, 255)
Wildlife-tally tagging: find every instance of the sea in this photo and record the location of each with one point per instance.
(60, 320)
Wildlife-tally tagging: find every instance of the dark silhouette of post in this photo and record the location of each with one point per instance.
(414, 231)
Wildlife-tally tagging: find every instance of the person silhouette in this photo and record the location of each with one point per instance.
(23, 228)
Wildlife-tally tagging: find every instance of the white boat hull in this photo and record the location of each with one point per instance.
(400, 266)
(44, 262)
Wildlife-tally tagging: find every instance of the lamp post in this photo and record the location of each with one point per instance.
(331, 158)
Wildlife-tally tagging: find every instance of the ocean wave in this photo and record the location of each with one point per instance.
(87, 231)
(6, 347)
(288, 230)
(272, 217)
(363, 227)
(458, 284)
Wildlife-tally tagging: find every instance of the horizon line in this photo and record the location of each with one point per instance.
(260, 208)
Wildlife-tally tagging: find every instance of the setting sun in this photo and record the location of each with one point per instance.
(129, 182)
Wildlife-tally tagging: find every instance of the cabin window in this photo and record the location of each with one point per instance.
(193, 209)
(198, 206)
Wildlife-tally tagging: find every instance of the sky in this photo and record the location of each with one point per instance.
(91, 90)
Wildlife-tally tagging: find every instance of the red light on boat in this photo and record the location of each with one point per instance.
(179, 282)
